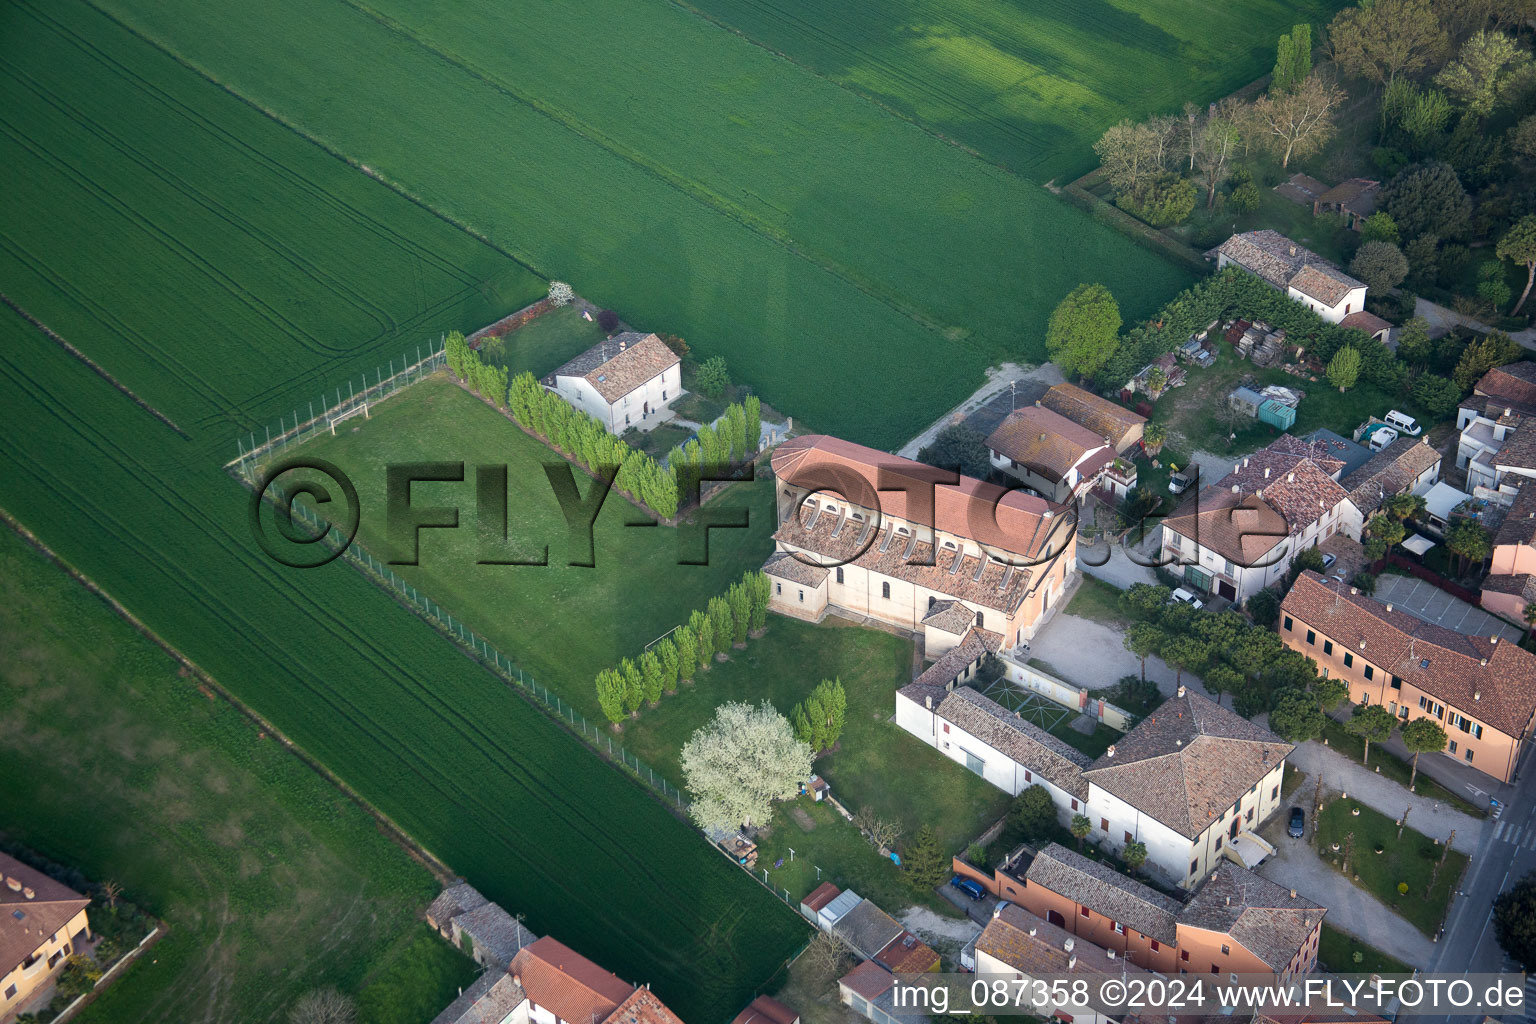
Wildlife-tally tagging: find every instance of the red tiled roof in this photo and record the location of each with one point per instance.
(642, 1007)
(907, 954)
(766, 1010)
(1514, 383)
(566, 983)
(28, 921)
(868, 980)
(820, 896)
(1489, 682)
(1047, 442)
(1095, 412)
(983, 512)
(1370, 323)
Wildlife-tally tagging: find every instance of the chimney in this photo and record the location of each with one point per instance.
(1293, 250)
(1354, 590)
(1042, 435)
(1389, 606)
(1293, 894)
(13, 884)
(1237, 467)
(29, 894)
(1478, 694)
(1069, 944)
(1266, 472)
(1483, 662)
(1290, 478)
(622, 344)
(1236, 489)
(1229, 901)
(1181, 690)
(1033, 929)
(928, 700)
(1245, 462)
(1493, 639)
(1072, 961)
(1111, 953)
(1111, 751)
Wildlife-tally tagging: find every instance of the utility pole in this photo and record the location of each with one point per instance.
(1404, 822)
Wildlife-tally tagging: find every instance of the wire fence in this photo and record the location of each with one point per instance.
(349, 399)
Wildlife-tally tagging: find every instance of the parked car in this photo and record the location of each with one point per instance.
(1179, 481)
(1381, 437)
(969, 886)
(1187, 597)
(1404, 423)
(1298, 823)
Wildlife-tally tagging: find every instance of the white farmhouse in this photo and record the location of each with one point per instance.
(628, 380)
(1191, 781)
(1296, 270)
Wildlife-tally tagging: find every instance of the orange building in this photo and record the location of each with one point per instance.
(1482, 692)
(1235, 923)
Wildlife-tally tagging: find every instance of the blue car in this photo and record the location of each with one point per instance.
(969, 886)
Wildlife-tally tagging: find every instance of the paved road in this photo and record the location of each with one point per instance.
(1442, 320)
(998, 380)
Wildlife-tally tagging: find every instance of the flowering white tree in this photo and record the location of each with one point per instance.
(561, 293)
(741, 762)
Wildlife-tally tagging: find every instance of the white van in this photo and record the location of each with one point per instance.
(1381, 437)
(1404, 423)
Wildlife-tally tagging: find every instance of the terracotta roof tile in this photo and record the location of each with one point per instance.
(1324, 283)
(1446, 665)
(1515, 383)
(618, 365)
(1271, 924)
(1241, 528)
(950, 616)
(1519, 525)
(1390, 471)
(1047, 442)
(1105, 418)
(1370, 323)
(1105, 891)
(1036, 947)
(1023, 741)
(766, 1010)
(820, 896)
(907, 954)
(566, 983)
(642, 1007)
(787, 567)
(1188, 762)
(899, 488)
(868, 979)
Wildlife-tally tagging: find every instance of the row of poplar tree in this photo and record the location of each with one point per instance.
(658, 486)
(690, 648)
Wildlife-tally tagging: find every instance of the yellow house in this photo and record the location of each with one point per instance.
(42, 922)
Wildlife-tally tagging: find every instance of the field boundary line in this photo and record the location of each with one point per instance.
(94, 366)
(415, 850)
(521, 260)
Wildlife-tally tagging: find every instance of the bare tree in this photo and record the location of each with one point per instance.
(827, 955)
(1191, 129)
(323, 1006)
(1128, 152)
(1218, 136)
(881, 831)
(1165, 132)
(1387, 38)
(1298, 123)
(111, 890)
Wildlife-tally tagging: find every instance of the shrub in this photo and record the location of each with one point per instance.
(608, 320)
(1264, 607)
(1245, 198)
(560, 293)
(713, 377)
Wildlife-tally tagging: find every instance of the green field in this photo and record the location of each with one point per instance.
(1032, 85)
(757, 210)
(543, 344)
(227, 270)
(560, 622)
(115, 765)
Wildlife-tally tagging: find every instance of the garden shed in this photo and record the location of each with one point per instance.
(1246, 401)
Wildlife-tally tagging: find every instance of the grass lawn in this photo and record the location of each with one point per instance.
(1336, 955)
(1097, 600)
(657, 443)
(1093, 744)
(544, 343)
(1395, 768)
(874, 764)
(560, 622)
(1291, 780)
(1409, 860)
(117, 766)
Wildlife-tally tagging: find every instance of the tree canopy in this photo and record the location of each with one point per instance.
(1514, 921)
(1084, 331)
(1381, 265)
(1381, 40)
(958, 448)
(1295, 717)
(1428, 199)
(740, 763)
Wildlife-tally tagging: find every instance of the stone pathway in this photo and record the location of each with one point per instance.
(1441, 320)
(1090, 654)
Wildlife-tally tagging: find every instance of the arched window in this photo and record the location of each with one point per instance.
(885, 591)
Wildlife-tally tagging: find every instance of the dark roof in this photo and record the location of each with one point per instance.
(1271, 921)
(1519, 526)
(1444, 664)
(1047, 442)
(1370, 323)
(618, 365)
(1390, 471)
(496, 932)
(1521, 585)
(30, 913)
(1022, 740)
(1036, 947)
(1357, 195)
(453, 901)
(1188, 762)
(1326, 284)
(972, 647)
(1351, 454)
(1098, 414)
(1105, 891)
(950, 616)
(867, 929)
(1301, 188)
(492, 997)
(1519, 449)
